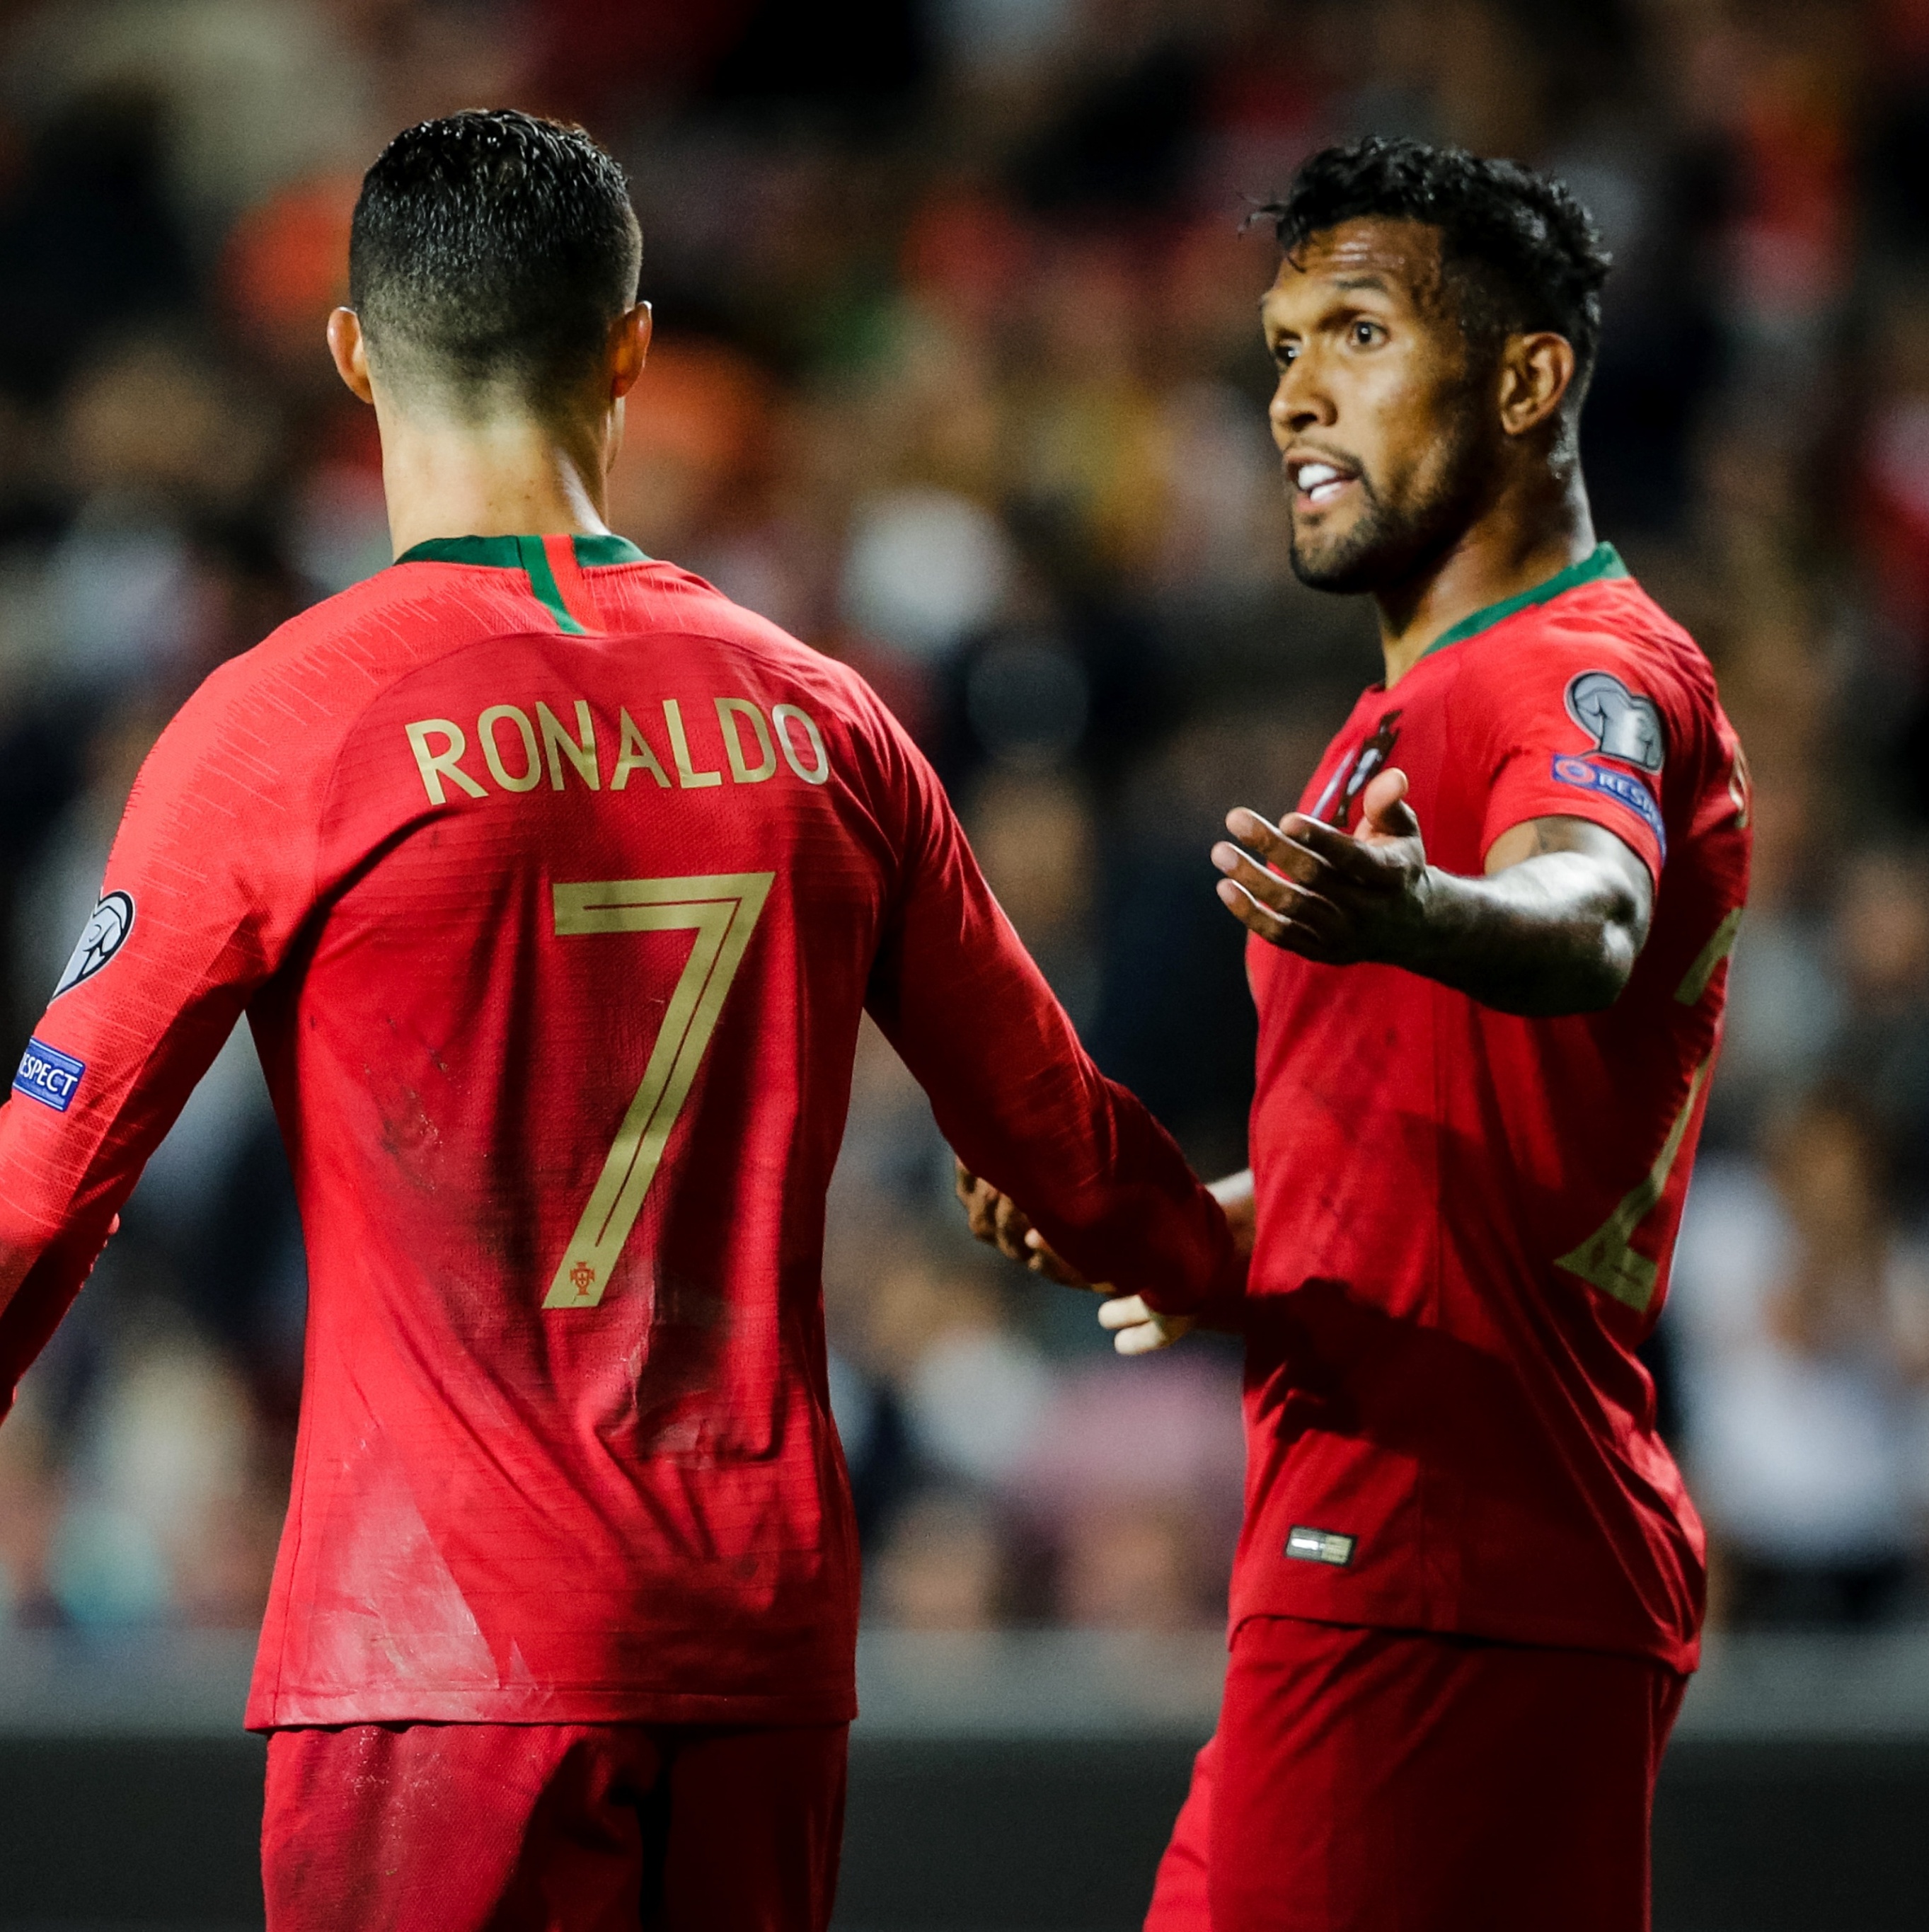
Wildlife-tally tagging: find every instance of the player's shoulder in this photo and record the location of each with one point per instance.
(1599, 636)
(333, 657)
(656, 596)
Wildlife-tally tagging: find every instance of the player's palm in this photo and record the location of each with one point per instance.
(1327, 894)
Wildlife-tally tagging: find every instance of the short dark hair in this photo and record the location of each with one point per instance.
(493, 248)
(1525, 252)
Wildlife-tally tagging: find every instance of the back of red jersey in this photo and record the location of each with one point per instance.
(556, 885)
(1466, 1217)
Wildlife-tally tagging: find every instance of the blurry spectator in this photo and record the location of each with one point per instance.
(90, 244)
(1803, 1324)
(30, 1490)
(1133, 1480)
(1135, 1566)
(165, 1520)
(1883, 923)
(1035, 838)
(958, 378)
(972, 1384)
(942, 1567)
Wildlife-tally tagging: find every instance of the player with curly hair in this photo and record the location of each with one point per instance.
(1470, 1583)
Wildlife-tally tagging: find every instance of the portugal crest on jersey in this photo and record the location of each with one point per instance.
(1621, 725)
(106, 933)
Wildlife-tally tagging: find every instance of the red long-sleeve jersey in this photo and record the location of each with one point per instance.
(553, 885)
(1466, 1217)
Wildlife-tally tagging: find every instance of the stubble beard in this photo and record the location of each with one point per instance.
(1389, 544)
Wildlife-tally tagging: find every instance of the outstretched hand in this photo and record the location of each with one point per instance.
(1333, 896)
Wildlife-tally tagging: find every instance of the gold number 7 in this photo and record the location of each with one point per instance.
(722, 910)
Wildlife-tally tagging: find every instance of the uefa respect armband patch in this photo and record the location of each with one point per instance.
(48, 1075)
(1624, 788)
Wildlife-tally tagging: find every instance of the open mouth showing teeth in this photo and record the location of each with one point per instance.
(1319, 483)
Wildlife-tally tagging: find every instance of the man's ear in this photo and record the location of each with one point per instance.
(629, 348)
(350, 350)
(1536, 372)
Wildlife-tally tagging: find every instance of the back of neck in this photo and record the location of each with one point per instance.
(510, 476)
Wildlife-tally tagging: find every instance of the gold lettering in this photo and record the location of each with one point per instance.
(558, 743)
(1607, 1259)
(485, 730)
(635, 754)
(435, 766)
(1721, 942)
(679, 750)
(780, 716)
(729, 709)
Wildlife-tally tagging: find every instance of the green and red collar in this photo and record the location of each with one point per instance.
(553, 566)
(1603, 561)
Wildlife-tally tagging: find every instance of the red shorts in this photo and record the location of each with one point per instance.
(553, 1828)
(1371, 1781)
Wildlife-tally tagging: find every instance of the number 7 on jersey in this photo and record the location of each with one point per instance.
(722, 910)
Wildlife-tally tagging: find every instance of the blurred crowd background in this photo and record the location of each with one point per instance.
(957, 377)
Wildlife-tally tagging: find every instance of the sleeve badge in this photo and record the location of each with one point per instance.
(1621, 725)
(104, 934)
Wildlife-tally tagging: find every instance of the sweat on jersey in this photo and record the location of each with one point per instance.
(553, 885)
(1466, 1218)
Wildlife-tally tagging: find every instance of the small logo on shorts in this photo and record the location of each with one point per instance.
(48, 1075)
(106, 932)
(1320, 1546)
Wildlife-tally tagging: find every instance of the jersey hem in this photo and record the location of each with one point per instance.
(1685, 1659)
(575, 1705)
(1682, 1653)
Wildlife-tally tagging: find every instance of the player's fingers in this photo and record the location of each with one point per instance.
(1278, 928)
(980, 1199)
(1044, 1259)
(1148, 1337)
(1123, 1311)
(1384, 810)
(1289, 896)
(1339, 852)
(1284, 853)
(1010, 1225)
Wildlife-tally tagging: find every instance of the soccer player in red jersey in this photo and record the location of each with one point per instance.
(553, 887)
(1488, 953)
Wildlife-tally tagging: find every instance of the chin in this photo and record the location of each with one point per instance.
(1345, 569)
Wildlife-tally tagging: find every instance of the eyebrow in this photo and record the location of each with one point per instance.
(1373, 280)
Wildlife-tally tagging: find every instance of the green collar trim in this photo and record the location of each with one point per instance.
(527, 555)
(510, 553)
(1603, 561)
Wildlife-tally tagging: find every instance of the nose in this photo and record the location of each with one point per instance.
(1300, 402)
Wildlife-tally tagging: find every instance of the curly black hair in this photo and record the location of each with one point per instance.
(1524, 253)
(493, 247)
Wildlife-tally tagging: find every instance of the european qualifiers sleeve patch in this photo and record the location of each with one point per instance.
(1621, 725)
(48, 1075)
(104, 934)
(1624, 788)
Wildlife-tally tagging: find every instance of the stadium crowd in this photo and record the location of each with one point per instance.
(957, 377)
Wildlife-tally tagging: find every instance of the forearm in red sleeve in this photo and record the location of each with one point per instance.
(65, 1175)
(210, 871)
(1020, 1100)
